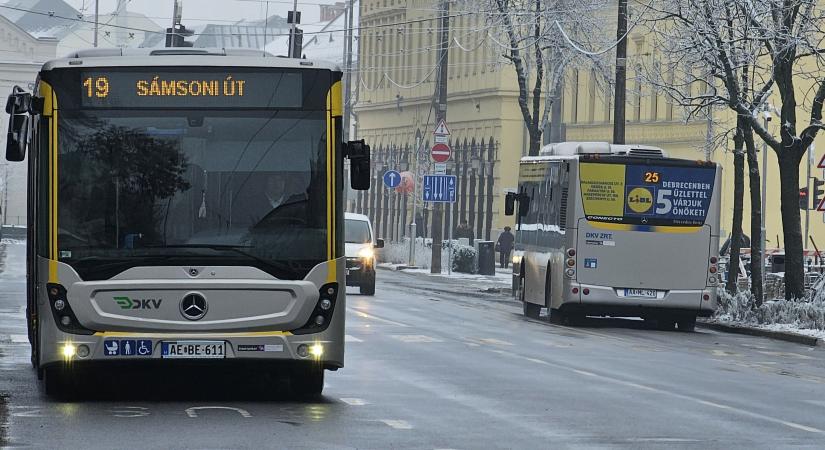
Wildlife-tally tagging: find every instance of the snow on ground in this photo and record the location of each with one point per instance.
(13, 259)
(806, 317)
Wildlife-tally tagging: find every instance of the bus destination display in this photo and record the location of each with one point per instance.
(646, 195)
(190, 90)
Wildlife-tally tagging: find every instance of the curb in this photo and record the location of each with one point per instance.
(753, 331)
(504, 291)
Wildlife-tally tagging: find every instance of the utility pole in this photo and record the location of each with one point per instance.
(621, 75)
(97, 16)
(441, 115)
(348, 72)
(413, 229)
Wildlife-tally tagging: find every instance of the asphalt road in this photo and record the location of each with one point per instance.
(434, 370)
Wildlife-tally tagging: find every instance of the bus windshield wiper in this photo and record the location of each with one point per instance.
(238, 249)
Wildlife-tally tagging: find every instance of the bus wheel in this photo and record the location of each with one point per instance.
(531, 310)
(665, 323)
(686, 323)
(60, 384)
(307, 381)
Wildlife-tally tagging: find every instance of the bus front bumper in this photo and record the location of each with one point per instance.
(609, 301)
(263, 347)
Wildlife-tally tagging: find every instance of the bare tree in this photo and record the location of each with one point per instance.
(535, 36)
(750, 48)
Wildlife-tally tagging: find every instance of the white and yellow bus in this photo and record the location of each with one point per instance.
(185, 204)
(616, 230)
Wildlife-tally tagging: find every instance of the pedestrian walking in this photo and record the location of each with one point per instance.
(504, 246)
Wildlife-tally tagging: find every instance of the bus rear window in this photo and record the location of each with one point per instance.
(640, 194)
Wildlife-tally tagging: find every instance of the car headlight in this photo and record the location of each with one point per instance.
(366, 253)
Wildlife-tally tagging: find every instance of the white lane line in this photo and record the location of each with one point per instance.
(193, 411)
(414, 338)
(674, 394)
(354, 401)
(495, 342)
(350, 338)
(377, 319)
(19, 338)
(398, 424)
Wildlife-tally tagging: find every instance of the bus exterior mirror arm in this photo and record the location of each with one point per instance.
(358, 153)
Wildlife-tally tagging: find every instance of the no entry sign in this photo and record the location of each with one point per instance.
(441, 153)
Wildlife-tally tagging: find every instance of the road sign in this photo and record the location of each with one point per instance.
(439, 188)
(821, 164)
(821, 206)
(441, 129)
(392, 178)
(441, 138)
(441, 153)
(440, 168)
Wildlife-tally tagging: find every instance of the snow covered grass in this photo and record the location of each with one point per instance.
(804, 316)
(399, 253)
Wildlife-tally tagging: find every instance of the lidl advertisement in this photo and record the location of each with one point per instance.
(646, 195)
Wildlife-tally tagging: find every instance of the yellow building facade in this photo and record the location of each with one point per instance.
(398, 50)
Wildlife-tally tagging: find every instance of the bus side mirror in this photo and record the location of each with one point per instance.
(18, 107)
(509, 203)
(358, 153)
(523, 205)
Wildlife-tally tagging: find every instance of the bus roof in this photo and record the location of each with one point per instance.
(182, 56)
(601, 148)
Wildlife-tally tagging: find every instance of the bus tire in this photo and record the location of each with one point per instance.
(307, 380)
(557, 316)
(368, 288)
(531, 310)
(665, 323)
(686, 323)
(59, 384)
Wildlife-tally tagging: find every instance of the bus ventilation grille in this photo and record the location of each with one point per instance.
(645, 153)
(563, 210)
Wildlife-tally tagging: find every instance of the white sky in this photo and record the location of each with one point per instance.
(196, 12)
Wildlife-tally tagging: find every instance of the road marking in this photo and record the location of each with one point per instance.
(785, 354)
(193, 411)
(354, 401)
(674, 394)
(30, 411)
(350, 338)
(414, 338)
(130, 411)
(495, 341)
(377, 319)
(19, 338)
(398, 424)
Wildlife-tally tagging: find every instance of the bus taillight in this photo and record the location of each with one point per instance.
(571, 252)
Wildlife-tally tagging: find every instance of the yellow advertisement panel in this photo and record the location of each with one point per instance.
(602, 189)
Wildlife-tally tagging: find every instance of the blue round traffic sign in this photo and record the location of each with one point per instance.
(392, 178)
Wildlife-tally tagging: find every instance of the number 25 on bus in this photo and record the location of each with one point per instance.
(616, 230)
(185, 204)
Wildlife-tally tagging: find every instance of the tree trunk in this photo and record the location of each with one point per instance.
(791, 222)
(738, 195)
(535, 141)
(755, 185)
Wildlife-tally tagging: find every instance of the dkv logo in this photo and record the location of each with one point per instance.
(138, 303)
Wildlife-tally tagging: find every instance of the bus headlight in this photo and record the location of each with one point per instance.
(321, 316)
(68, 351)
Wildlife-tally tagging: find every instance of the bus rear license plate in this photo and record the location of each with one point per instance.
(641, 293)
(193, 349)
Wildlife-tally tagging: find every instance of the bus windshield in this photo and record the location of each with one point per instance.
(205, 186)
(676, 193)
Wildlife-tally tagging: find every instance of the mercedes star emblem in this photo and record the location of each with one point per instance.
(193, 306)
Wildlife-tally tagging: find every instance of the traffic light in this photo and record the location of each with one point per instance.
(818, 191)
(803, 198)
(176, 37)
